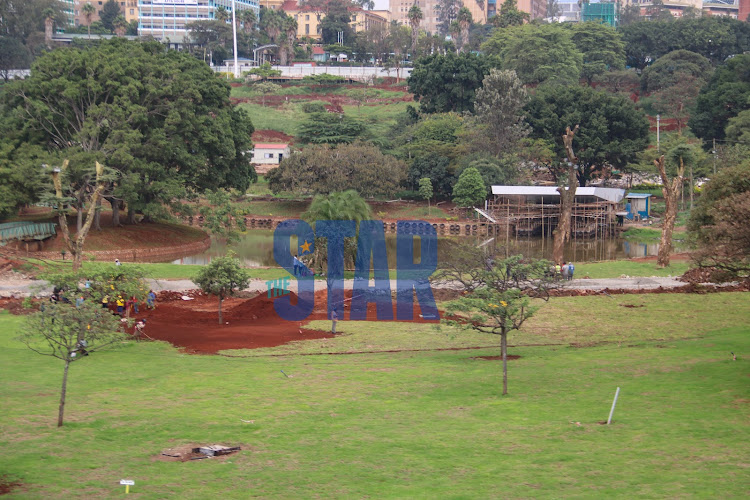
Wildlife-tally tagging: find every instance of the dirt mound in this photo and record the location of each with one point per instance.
(272, 136)
(259, 307)
(16, 306)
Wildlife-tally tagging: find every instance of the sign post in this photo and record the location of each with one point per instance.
(128, 483)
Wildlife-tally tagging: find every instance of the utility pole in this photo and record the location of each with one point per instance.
(234, 40)
(658, 120)
(713, 152)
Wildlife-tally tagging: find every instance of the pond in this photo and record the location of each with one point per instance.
(255, 249)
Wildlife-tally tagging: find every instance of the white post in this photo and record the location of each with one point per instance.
(658, 144)
(612, 411)
(234, 39)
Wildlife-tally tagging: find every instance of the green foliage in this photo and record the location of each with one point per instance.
(343, 205)
(719, 223)
(323, 169)
(223, 277)
(612, 131)
(13, 55)
(738, 128)
(537, 53)
(469, 190)
(671, 68)
(601, 46)
(323, 79)
(337, 19)
(714, 37)
(425, 188)
(435, 167)
(725, 95)
(499, 113)
(24, 21)
(161, 118)
(314, 107)
(443, 83)
(264, 71)
(21, 178)
(108, 14)
(509, 15)
(494, 171)
(330, 128)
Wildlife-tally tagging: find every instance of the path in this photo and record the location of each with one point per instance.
(24, 288)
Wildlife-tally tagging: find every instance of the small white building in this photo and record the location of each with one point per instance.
(266, 156)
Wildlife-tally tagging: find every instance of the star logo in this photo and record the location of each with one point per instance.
(305, 248)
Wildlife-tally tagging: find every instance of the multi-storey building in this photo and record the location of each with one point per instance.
(69, 7)
(743, 13)
(308, 18)
(166, 19)
(727, 8)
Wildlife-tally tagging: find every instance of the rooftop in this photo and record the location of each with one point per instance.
(609, 194)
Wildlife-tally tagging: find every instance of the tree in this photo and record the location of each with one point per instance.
(464, 20)
(537, 53)
(494, 171)
(671, 68)
(719, 224)
(630, 14)
(509, 15)
(13, 56)
(670, 190)
(121, 25)
(343, 206)
(567, 198)
(160, 118)
(677, 101)
(496, 295)
(553, 10)
(415, 17)
(222, 277)
(21, 180)
(286, 46)
(222, 14)
(738, 128)
(725, 96)
(337, 19)
(443, 83)
(612, 131)
(425, 191)
(624, 82)
(469, 190)
(447, 10)
(324, 169)
(265, 88)
(108, 14)
(330, 128)
(70, 332)
(499, 110)
(88, 11)
(437, 168)
(601, 46)
(24, 20)
(264, 71)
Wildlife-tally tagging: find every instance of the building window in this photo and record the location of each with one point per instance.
(307, 17)
(307, 29)
(268, 155)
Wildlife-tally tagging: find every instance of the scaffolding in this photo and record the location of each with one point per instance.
(601, 12)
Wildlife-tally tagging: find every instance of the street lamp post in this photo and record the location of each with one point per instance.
(234, 40)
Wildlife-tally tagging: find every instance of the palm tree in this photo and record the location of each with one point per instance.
(464, 22)
(346, 205)
(287, 44)
(88, 11)
(415, 17)
(49, 25)
(248, 20)
(121, 25)
(222, 14)
(455, 32)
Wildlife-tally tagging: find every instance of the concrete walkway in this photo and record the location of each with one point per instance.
(25, 288)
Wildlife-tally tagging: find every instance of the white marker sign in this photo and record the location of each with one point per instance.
(127, 482)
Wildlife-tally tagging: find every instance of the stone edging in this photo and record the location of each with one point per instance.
(137, 254)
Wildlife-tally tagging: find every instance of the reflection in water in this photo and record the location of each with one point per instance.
(255, 249)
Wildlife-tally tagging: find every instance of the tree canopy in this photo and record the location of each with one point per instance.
(725, 96)
(612, 131)
(161, 119)
(324, 169)
(330, 128)
(443, 83)
(669, 69)
(601, 46)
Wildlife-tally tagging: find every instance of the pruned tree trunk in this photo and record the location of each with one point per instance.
(115, 210)
(75, 247)
(79, 216)
(504, 351)
(221, 320)
(670, 190)
(131, 215)
(97, 215)
(567, 198)
(61, 409)
(692, 186)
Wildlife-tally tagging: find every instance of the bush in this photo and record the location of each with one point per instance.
(314, 107)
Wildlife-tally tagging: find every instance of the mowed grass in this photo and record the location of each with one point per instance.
(398, 425)
(640, 268)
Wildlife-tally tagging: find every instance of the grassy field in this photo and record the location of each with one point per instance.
(403, 425)
(617, 268)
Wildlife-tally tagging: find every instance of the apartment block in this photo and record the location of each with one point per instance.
(166, 19)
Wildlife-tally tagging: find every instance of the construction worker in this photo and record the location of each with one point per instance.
(120, 305)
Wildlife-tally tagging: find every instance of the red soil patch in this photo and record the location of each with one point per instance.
(6, 488)
(272, 136)
(248, 323)
(496, 358)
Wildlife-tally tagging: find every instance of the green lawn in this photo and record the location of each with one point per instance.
(284, 119)
(633, 268)
(427, 424)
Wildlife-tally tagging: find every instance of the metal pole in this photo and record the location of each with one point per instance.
(612, 411)
(658, 122)
(713, 151)
(234, 40)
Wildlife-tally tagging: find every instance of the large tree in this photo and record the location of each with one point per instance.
(24, 20)
(160, 118)
(109, 12)
(446, 10)
(415, 18)
(324, 169)
(499, 112)
(223, 277)
(13, 56)
(443, 83)
(725, 96)
(720, 226)
(509, 15)
(330, 128)
(612, 131)
(537, 53)
(601, 46)
(671, 68)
